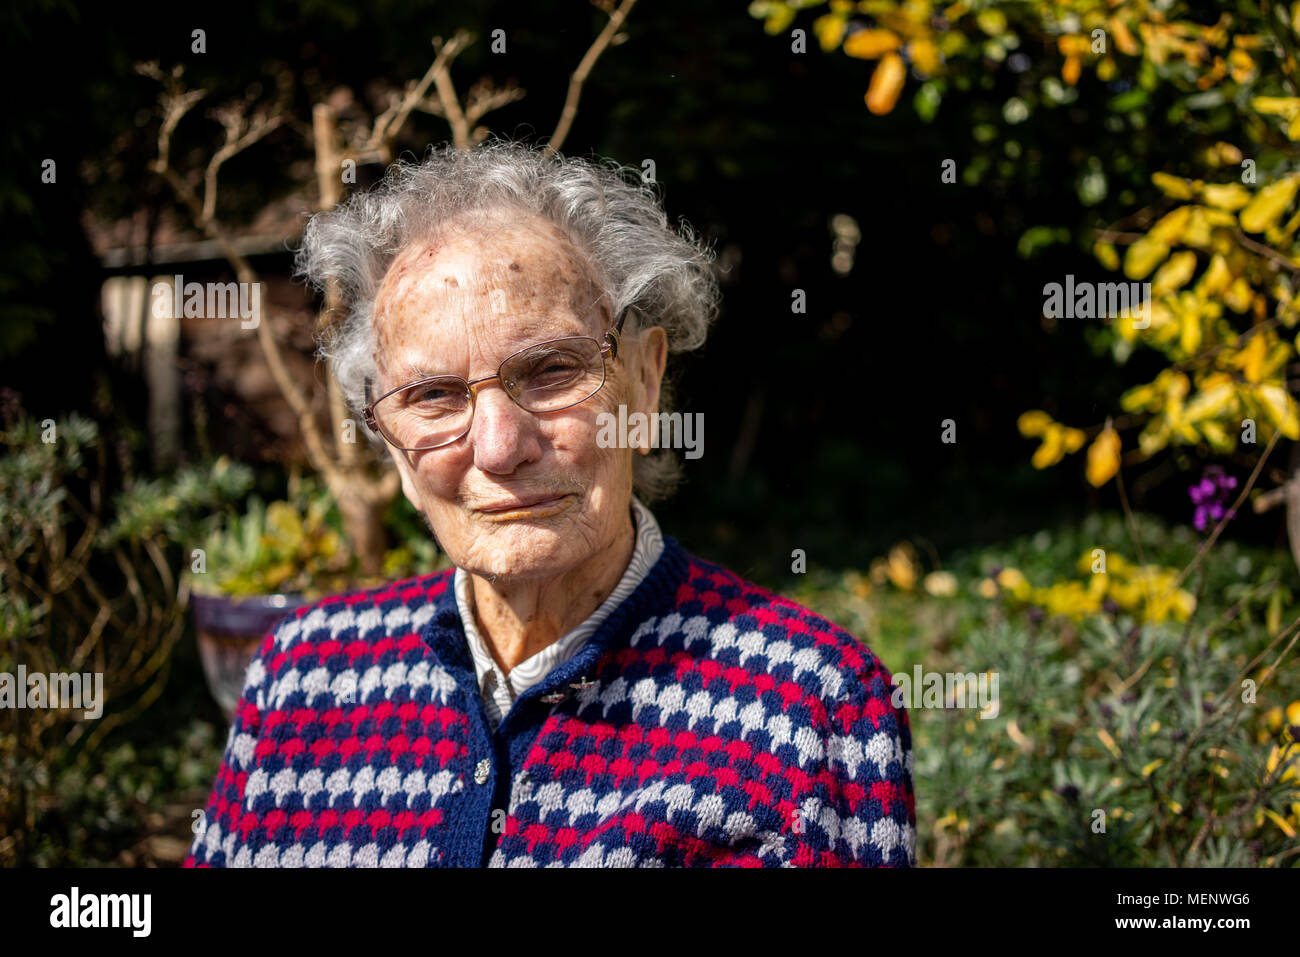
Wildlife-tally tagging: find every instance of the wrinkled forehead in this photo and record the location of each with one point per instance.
(520, 278)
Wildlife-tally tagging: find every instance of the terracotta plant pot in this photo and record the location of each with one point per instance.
(229, 632)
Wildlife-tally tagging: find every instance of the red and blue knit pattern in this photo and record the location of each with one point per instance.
(707, 723)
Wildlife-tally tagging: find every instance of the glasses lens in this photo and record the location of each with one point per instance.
(426, 414)
(554, 375)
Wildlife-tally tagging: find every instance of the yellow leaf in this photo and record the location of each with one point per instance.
(1050, 452)
(1268, 205)
(1033, 422)
(1151, 766)
(1273, 617)
(1124, 41)
(1240, 65)
(1217, 436)
(1287, 107)
(1143, 256)
(1189, 333)
(1216, 392)
(1169, 227)
(829, 30)
(1250, 360)
(1175, 187)
(1239, 295)
(1105, 737)
(900, 568)
(1173, 275)
(779, 16)
(925, 56)
(1281, 409)
(886, 84)
(870, 44)
(1058, 441)
(1280, 821)
(1073, 44)
(1012, 579)
(992, 21)
(1230, 196)
(1106, 255)
(1216, 278)
(1103, 457)
(1071, 70)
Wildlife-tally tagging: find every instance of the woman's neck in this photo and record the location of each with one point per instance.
(518, 619)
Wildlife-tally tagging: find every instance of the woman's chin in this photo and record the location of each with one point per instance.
(520, 549)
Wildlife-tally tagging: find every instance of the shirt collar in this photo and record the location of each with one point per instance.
(648, 547)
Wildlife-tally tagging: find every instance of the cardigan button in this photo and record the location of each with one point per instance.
(482, 770)
(554, 698)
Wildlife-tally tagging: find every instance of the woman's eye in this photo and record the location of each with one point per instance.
(552, 368)
(433, 395)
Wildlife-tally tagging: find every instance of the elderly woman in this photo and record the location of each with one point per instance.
(579, 690)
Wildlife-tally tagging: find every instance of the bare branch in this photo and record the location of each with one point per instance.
(174, 102)
(484, 97)
(378, 146)
(441, 69)
(241, 133)
(606, 38)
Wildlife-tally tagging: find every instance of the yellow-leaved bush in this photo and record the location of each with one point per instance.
(1221, 255)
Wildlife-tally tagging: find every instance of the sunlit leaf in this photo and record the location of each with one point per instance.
(870, 44)
(1281, 409)
(1143, 256)
(925, 56)
(1230, 196)
(1169, 227)
(1268, 205)
(1106, 254)
(1175, 187)
(886, 84)
(1033, 423)
(1174, 274)
(829, 30)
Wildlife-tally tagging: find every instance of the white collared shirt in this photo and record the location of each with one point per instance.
(500, 690)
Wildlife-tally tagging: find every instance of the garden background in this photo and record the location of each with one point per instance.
(901, 432)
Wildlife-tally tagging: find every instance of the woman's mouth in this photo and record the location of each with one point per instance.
(531, 506)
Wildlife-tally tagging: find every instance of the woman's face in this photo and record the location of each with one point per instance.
(521, 495)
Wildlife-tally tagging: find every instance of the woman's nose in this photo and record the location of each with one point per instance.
(503, 435)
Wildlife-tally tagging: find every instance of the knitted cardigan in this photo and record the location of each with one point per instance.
(706, 723)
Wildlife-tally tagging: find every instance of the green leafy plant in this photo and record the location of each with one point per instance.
(297, 546)
(84, 593)
(1125, 736)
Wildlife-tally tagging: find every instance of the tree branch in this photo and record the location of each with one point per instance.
(607, 37)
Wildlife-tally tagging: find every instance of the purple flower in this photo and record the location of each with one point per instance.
(1210, 496)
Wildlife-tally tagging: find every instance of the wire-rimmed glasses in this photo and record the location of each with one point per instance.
(546, 377)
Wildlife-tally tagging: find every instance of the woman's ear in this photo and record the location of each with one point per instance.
(653, 355)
